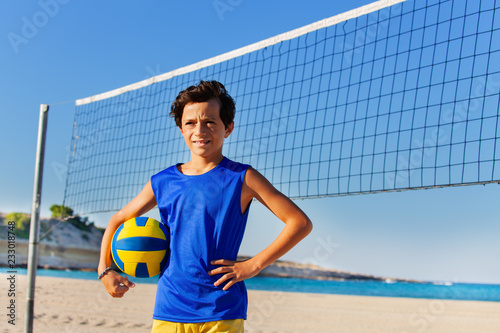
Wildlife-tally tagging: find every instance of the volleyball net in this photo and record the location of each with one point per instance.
(388, 97)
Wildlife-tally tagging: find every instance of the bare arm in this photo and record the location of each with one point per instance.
(297, 226)
(115, 284)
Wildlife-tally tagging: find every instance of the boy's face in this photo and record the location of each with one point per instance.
(202, 128)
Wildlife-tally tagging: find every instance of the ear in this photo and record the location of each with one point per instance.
(229, 129)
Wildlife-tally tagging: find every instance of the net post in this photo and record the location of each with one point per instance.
(35, 218)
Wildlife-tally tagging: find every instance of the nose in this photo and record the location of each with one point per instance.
(199, 129)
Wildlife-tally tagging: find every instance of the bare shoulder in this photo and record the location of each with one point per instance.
(257, 186)
(255, 180)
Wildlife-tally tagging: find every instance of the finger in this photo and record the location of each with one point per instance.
(221, 270)
(122, 289)
(119, 291)
(224, 262)
(128, 283)
(120, 285)
(229, 284)
(224, 278)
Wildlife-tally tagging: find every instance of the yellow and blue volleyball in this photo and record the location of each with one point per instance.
(140, 247)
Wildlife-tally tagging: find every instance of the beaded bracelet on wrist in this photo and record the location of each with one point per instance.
(104, 272)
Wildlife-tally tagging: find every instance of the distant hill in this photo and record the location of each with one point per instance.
(69, 245)
(292, 269)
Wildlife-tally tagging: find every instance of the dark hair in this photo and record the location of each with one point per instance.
(204, 91)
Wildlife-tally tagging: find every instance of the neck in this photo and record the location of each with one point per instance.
(201, 164)
(206, 161)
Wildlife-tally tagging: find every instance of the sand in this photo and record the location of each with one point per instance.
(71, 305)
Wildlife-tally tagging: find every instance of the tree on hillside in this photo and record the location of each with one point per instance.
(22, 223)
(60, 211)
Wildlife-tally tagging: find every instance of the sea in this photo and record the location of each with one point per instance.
(389, 288)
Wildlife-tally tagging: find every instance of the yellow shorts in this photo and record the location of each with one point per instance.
(220, 326)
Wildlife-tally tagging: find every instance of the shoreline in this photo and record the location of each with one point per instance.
(84, 306)
(444, 283)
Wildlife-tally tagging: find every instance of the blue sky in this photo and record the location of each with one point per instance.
(54, 52)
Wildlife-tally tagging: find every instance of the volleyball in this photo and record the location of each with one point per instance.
(140, 247)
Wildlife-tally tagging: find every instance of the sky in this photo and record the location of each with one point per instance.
(55, 51)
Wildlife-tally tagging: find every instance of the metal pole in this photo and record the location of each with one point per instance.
(35, 218)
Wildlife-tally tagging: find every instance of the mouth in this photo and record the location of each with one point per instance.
(201, 142)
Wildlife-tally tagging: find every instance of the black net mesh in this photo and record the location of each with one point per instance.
(405, 97)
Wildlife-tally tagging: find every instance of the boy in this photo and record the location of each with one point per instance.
(205, 204)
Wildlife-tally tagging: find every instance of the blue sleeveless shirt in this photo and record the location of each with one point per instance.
(206, 223)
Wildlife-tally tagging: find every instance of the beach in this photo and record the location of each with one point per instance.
(73, 305)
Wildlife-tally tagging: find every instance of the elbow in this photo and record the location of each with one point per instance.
(118, 216)
(306, 226)
(309, 226)
(115, 221)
